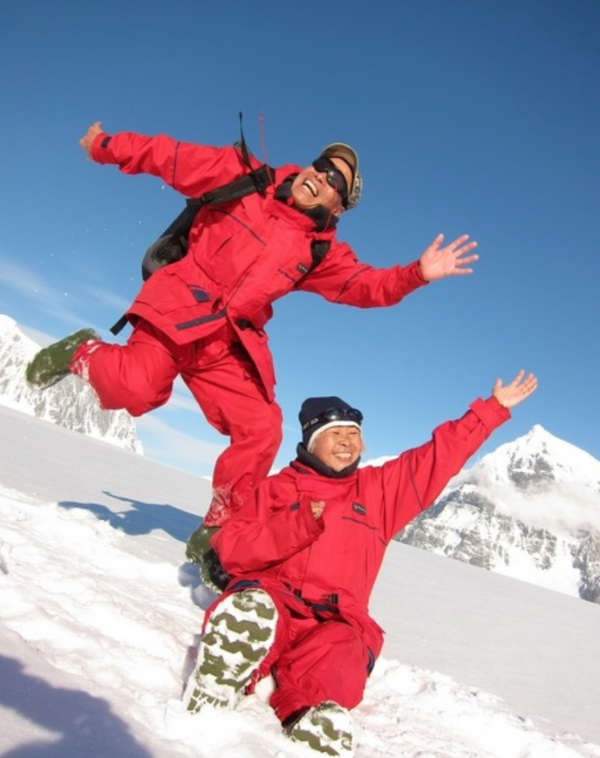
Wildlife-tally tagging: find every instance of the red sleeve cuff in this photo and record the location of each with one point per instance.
(100, 150)
(414, 270)
(490, 411)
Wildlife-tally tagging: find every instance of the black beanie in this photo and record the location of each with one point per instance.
(317, 413)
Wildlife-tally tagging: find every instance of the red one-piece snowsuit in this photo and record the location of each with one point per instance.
(320, 572)
(204, 316)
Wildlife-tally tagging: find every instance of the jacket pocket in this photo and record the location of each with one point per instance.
(167, 292)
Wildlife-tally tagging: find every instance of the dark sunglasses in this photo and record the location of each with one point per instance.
(335, 178)
(334, 414)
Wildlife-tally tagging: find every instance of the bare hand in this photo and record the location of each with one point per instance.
(317, 508)
(518, 390)
(438, 262)
(91, 134)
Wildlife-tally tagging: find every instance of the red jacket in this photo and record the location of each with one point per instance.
(277, 540)
(242, 255)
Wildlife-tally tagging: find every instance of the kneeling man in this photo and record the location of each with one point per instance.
(303, 555)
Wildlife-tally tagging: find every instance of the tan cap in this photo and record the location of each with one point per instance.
(348, 154)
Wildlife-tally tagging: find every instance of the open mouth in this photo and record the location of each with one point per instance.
(310, 186)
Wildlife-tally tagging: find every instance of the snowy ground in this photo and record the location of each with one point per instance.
(99, 616)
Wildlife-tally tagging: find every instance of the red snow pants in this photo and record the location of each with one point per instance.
(313, 658)
(139, 377)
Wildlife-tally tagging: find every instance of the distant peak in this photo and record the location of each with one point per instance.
(537, 437)
(537, 429)
(537, 459)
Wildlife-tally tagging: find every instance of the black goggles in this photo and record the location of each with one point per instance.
(334, 176)
(334, 414)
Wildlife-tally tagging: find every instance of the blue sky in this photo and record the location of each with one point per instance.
(470, 116)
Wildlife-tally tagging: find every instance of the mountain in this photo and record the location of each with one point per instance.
(100, 613)
(530, 510)
(71, 403)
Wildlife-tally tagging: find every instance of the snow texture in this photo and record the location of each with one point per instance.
(70, 403)
(99, 616)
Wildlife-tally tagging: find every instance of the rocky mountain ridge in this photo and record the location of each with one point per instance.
(70, 403)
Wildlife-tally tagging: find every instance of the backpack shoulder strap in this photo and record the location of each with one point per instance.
(256, 181)
(318, 250)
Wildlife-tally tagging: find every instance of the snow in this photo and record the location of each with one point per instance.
(561, 576)
(99, 616)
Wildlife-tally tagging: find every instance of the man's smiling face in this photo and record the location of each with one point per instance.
(311, 189)
(338, 446)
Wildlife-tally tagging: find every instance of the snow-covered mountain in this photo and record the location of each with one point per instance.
(530, 510)
(71, 403)
(99, 615)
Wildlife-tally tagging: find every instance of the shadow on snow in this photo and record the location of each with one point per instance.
(142, 518)
(84, 725)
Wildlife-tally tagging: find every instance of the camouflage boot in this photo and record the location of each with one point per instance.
(51, 364)
(198, 550)
(238, 637)
(326, 728)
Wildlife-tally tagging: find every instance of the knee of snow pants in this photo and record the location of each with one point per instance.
(330, 662)
(137, 376)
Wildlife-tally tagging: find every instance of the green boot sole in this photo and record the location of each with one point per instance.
(326, 728)
(238, 637)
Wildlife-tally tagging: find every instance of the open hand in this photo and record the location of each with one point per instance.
(518, 390)
(438, 262)
(91, 134)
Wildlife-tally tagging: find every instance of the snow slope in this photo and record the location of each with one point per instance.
(99, 615)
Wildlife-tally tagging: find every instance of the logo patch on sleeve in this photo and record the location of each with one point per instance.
(359, 509)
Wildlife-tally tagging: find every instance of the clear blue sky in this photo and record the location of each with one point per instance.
(470, 116)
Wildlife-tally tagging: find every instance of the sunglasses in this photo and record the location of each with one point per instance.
(334, 414)
(335, 178)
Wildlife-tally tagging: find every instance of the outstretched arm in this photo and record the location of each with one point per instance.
(342, 278)
(438, 262)
(412, 482)
(191, 169)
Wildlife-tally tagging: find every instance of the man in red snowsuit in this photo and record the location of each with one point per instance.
(204, 316)
(304, 554)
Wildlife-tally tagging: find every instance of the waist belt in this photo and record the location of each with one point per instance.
(328, 604)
